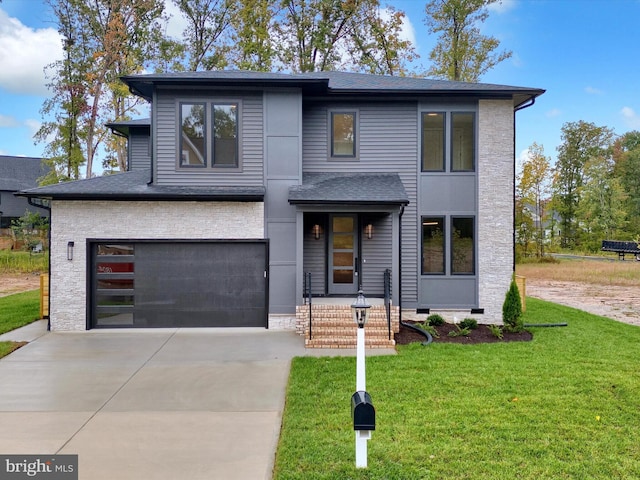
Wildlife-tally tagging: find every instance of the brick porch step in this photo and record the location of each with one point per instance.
(333, 327)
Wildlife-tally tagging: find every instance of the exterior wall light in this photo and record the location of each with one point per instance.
(368, 230)
(70, 250)
(316, 231)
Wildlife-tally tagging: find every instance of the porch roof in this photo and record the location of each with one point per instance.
(349, 189)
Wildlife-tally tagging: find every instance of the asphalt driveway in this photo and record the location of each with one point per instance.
(154, 404)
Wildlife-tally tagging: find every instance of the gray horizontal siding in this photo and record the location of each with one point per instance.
(251, 138)
(139, 151)
(388, 142)
(376, 254)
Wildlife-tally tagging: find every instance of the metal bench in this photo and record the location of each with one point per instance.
(622, 248)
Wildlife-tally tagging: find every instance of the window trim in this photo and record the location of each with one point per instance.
(473, 245)
(444, 140)
(443, 219)
(356, 134)
(473, 141)
(209, 104)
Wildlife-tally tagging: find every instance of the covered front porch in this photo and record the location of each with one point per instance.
(348, 237)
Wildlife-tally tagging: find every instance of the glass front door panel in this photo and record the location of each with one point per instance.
(343, 255)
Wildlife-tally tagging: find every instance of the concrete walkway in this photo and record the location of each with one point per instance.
(150, 404)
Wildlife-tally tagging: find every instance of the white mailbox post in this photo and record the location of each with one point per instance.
(362, 409)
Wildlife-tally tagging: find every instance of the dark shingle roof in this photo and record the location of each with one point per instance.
(134, 185)
(349, 188)
(18, 173)
(331, 83)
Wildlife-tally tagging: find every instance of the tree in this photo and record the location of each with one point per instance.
(252, 23)
(533, 190)
(626, 157)
(461, 53)
(104, 39)
(581, 142)
(207, 40)
(601, 208)
(320, 35)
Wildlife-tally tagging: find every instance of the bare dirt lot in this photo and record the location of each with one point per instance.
(18, 282)
(621, 303)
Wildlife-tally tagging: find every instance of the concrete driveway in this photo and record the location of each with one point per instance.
(154, 404)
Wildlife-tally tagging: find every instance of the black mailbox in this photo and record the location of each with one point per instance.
(362, 411)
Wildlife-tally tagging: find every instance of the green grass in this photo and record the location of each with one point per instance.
(17, 311)
(23, 262)
(564, 406)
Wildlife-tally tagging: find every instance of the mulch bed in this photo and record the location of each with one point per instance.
(482, 334)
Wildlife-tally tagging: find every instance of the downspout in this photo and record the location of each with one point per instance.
(406, 325)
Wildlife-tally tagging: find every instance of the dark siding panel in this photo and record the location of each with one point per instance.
(315, 253)
(251, 150)
(376, 254)
(139, 151)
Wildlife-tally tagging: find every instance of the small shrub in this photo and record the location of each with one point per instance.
(460, 332)
(435, 320)
(470, 323)
(512, 309)
(496, 331)
(429, 328)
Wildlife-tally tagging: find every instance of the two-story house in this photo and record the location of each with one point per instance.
(242, 184)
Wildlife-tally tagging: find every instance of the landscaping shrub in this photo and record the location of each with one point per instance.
(512, 309)
(435, 320)
(469, 323)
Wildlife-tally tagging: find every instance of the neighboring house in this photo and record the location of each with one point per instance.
(253, 179)
(16, 174)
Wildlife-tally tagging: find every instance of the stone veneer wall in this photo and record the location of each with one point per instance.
(78, 220)
(496, 204)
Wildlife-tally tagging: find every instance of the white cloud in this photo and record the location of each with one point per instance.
(523, 157)
(407, 32)
(32, 125)
(177, 23)
(631, 118)
(24, 52)
(554, 112)
(593, 91)
(501, 7)
(6, 121)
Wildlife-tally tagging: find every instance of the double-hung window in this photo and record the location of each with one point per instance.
(343, 135)
(450, 238)
(209, 135)
(455, 155)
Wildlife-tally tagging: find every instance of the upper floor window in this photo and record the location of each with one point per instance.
(459, 127)
(193, 125)
(462, 142)
(343, 134)
(201, 146)
(433, 138)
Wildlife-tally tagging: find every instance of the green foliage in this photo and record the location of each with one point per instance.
(461, 53)
(496, 331)
(469, 323)
(512, 309)
(429, 328)
(435, 320)
(12, 261)
(460, 331)
(30, 229)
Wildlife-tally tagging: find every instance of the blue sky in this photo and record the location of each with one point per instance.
(583, 52)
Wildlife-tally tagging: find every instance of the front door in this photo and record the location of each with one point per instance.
(343, 254)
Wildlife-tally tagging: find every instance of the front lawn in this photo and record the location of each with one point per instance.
(17, 311)
(564, 406)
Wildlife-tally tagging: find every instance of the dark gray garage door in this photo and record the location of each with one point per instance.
(179, 284)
